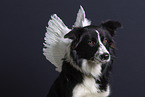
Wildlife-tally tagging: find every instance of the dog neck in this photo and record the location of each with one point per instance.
(87, 68)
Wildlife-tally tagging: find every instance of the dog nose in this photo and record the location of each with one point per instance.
(104, 56)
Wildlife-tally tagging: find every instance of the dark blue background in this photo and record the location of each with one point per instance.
(24, 71)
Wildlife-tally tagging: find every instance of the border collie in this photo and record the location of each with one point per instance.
(87, 60)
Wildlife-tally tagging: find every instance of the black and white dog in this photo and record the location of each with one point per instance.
(87, 62)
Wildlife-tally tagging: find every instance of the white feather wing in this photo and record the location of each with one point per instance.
(55, 44)
(81, 19)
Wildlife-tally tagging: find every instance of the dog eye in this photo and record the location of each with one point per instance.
(105, 41)
(91, 43)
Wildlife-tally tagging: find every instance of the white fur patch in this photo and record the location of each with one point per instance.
(102, 49)
(89, 88)
(92, 68)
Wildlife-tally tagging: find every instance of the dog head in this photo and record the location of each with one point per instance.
(94, 43)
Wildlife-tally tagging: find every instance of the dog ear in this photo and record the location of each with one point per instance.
(74, 33)
(111, 26)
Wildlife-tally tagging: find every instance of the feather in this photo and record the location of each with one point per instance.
(81, 20)
(55, 44)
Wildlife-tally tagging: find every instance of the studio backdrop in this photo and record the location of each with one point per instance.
(25, 72)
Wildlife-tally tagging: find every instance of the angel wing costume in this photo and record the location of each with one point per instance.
(55, 44)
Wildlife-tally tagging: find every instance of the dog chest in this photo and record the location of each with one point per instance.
(89, 88)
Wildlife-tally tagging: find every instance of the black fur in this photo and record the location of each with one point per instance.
(79, 50)
(66, 81)
(81, 37)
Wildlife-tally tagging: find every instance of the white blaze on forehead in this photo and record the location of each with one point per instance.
(102, 49)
